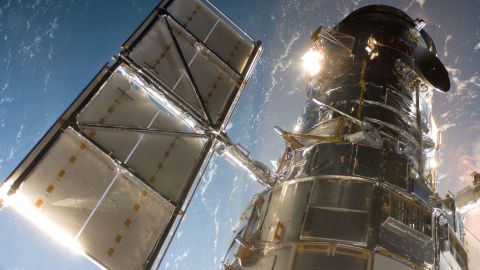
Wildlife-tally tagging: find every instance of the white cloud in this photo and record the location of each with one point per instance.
(462, 84)
(209, 178)
(446, 126)
(445, 50)
(216, 221)
(421, 2)
(280, 64)
(178, 259)
(20, 132)
(477, 47)
(181, 257)
(11, 154)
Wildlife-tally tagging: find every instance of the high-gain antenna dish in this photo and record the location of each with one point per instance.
(431, 69)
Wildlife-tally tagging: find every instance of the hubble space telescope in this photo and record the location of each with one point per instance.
(356, 183)
(354, 188)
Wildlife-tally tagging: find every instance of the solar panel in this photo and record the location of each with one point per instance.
(197, 56)
(110, 213)
(130, 121)
(114, 175)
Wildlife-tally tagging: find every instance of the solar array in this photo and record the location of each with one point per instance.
(114, 175)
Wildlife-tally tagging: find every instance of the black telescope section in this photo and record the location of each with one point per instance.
(431, 69)
(395, 27)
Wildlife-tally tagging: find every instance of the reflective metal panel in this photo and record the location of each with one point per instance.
(370, 160)
(317, 160)
(265, 263)
(409, 213)
(452, 251)
(339, 210)
(284, 224)
(311, 258)
(381, 262)
(401, 239)
(381, 164)
(395, 171)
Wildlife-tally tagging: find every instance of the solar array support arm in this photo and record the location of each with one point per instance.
(118, 170)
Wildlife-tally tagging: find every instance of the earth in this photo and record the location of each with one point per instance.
(50, 49)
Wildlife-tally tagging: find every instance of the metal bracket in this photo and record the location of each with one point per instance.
(235, 153)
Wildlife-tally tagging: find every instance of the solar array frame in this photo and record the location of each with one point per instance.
(201, 122)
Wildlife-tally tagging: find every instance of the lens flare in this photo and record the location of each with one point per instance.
(22, 206)
(312, 61)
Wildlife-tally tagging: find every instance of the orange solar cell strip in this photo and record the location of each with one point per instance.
(50, 188)
(39, 203)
